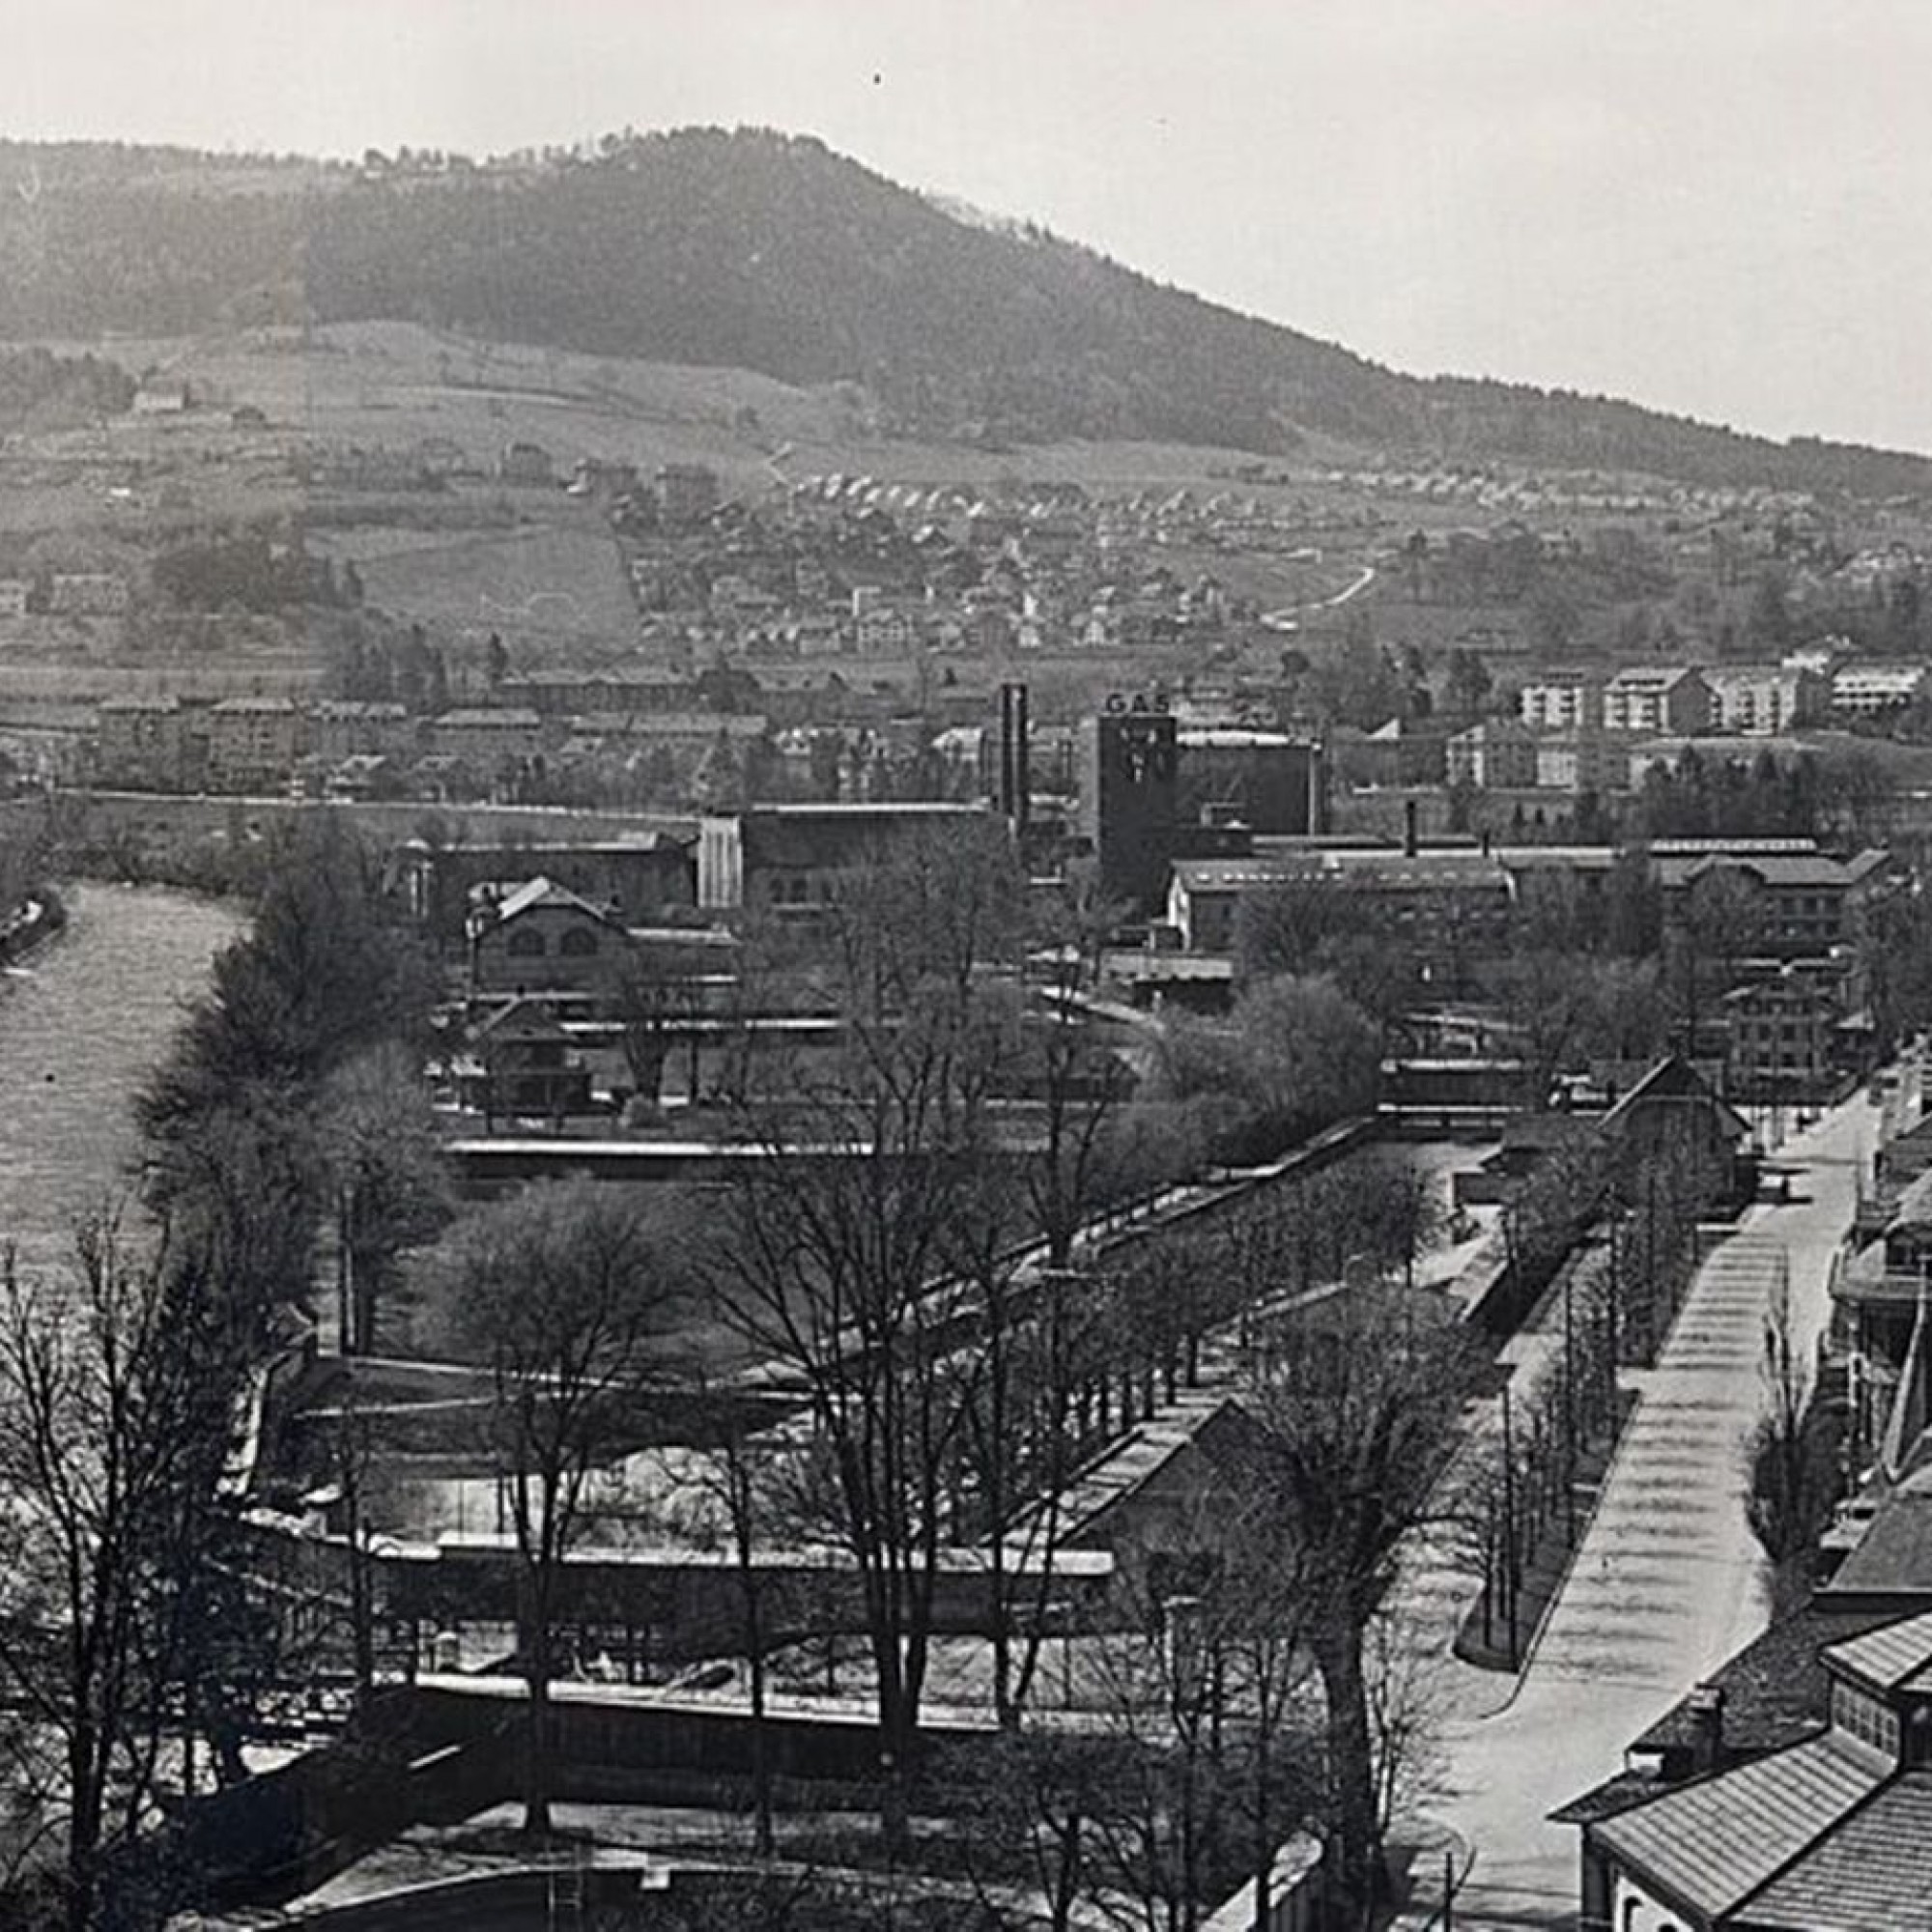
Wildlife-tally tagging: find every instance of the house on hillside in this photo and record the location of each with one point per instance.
(89, 593)
(1562, 700)
(527, 465)
(1762, 701)
(161, 398)
(1647, 700)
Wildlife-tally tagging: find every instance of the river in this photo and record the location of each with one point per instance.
(80, 1026)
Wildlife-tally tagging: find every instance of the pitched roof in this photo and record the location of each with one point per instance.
(546, 892)
(1775, 1688)
(1895, 1657)
(1715, 1841)
(1675, 1079)
(1894, 1555)
(1872, 1874)
(521, 1017)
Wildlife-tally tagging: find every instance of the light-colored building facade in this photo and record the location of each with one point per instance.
(88, 593)
(1562, 702)
(1654, 701)
(1498, 752)
(1762, 701)
(1860, 690)
(253, 743)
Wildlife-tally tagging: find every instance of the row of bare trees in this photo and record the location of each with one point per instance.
(131, 1643)
(905, 1247)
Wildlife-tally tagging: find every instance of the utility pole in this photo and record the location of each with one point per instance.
(1569, 1407)
(1509, 1528)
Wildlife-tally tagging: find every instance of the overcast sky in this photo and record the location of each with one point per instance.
(1720, 207)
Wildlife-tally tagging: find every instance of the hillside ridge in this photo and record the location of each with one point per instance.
(772, 253)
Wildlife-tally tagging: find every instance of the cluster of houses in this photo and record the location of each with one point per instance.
(1582, 731)
(850, 567)
(350, 749)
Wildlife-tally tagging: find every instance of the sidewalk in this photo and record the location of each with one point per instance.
(1666, 1581)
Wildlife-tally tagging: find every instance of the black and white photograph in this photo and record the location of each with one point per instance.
(965, 966)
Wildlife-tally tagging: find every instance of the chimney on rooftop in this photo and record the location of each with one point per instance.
(1704, 1708)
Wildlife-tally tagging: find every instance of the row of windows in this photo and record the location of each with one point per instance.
(1865, 1717)
(527, 942)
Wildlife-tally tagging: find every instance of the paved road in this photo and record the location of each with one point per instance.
(1289, 620)
(1668, 1580)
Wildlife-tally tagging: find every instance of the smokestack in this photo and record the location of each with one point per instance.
(1015, 765)
(1411, 835)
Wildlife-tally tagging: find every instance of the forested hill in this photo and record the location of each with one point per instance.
(772, 253)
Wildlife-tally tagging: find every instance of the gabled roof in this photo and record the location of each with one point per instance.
(521, 1018)
(1872, 1874)
(1675, 1079)
(1715, 1841)
(544, 892)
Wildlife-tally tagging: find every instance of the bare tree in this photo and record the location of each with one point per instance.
(839, 1264)
(388, 1176)
(1791, 1457)
(1356, 1418)
(563, 1289)
(117, 1396)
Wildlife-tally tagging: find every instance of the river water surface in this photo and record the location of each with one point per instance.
(80, 1026)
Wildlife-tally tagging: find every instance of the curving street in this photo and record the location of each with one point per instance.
(1666, 1582)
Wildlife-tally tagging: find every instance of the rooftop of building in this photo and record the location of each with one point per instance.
(1894, 1558)
(531, 894)
(1775, 1688)
(1870, 1875)
(1894, 1657)
(493, 718)
(1650, 677)
(1713, 1842)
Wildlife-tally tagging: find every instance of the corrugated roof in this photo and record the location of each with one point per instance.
(1894, 1657)
(1716, 1842)
(1872, 1874)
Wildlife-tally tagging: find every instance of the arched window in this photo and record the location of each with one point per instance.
(1632, 1906)
(527, 942)
(578, 943)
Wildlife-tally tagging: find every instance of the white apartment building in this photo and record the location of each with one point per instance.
(1761, 701)
(1881, 686)
(1562, 702)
